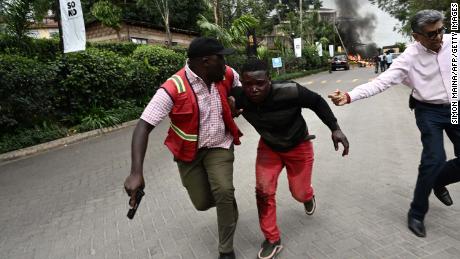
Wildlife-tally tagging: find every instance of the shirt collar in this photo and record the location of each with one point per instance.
(429, 50)
(192, 77)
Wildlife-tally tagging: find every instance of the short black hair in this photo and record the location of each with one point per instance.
(254, 64)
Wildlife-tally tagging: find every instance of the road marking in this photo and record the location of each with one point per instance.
(338, 81)
(323, 82)
(309, 82)
(354, 80)
(371, 79)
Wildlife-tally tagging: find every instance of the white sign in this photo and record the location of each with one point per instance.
(319, 48)
(73, 26)
(277, 62)
(331, 50)
(298, 47)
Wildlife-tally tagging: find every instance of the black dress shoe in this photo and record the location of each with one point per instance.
(443, 195)
(416, 226)
(230, 255)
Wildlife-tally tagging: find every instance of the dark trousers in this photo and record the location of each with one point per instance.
(434, 171)
(383, 65)
(209, 183)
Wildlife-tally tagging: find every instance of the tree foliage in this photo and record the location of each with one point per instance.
(403, 10)
(235, 35)
(18, 15)
(109, 14)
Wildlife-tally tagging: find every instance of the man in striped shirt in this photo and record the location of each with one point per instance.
(201, 135)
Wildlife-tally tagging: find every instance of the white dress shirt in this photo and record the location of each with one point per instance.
(426, 72)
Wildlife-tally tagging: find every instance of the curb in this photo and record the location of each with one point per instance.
(28, 151)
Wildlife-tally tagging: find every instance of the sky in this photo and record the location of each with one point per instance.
(383, 34)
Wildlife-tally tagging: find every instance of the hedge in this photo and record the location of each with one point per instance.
(49, 49)
(93, 78)
(123, 48)
(104, 85)
(33, 48)
(26, 92)
(71, 87)
(168, 61)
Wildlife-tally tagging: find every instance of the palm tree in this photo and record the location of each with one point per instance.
(233, 36)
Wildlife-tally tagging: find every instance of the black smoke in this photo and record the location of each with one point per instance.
(356, 27)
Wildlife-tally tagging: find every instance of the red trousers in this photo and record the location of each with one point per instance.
(269, 163)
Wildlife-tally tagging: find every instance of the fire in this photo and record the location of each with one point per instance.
(354, 58)
(359, 60)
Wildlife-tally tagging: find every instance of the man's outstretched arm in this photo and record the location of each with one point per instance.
(396, 74)
(135, 181)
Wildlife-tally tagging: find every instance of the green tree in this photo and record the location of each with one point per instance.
(185, 14)
(18, 15)
(108, 14)
(162, 7)
(403, 10)
(401, 46)
(235, 35)
(232, 9)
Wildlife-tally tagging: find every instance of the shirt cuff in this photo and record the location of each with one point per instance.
(348, 98)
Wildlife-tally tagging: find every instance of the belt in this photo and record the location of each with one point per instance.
(432, 105)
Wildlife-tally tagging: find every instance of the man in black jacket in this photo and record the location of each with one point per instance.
(275, 111)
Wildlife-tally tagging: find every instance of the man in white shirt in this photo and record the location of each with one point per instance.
(424, 67)
(383, 62)
(389, 59)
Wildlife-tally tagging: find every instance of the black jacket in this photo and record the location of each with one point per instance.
(279, 119)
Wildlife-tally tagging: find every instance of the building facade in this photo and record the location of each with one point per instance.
(138, 32)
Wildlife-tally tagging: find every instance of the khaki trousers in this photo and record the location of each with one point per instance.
(209, 182)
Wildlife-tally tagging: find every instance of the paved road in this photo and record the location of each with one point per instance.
(69, 203)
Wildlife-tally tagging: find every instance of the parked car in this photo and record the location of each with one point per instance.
(340, 61)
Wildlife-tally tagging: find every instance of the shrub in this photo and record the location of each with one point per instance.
(156, 57)
(127, 111)
(98, 118)
(179, 49)
(42, 49)
(123, 49)
(237, 60)
(26, 91)
(289, 76)
(142, 81)
(87, 79)
(29, 137)
(313, 60)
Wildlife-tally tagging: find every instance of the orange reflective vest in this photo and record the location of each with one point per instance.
(182, 139)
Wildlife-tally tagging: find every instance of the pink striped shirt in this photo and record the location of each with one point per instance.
(425, 71)
(212, 133)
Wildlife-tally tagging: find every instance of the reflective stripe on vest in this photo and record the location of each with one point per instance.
(183, 135)
(177, 80)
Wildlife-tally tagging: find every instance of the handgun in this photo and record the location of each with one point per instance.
(132, 211)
